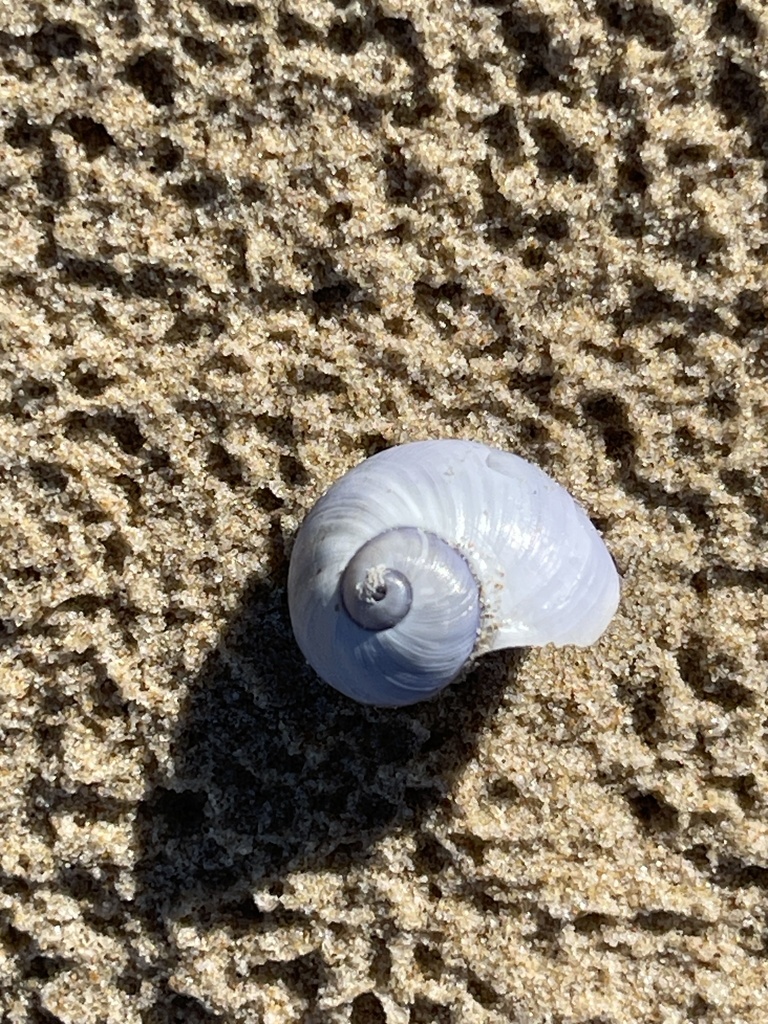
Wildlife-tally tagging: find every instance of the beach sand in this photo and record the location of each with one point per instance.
(243, 246)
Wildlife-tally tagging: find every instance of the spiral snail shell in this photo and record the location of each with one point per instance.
(429, 554)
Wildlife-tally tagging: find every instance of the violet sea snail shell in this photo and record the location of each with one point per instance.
(429, 554)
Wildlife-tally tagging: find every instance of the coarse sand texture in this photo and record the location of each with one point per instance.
(243, 245)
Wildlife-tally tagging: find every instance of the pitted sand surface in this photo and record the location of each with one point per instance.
(243, 246)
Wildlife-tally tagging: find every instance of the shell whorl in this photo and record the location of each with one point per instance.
(407, 622)
(431, 553)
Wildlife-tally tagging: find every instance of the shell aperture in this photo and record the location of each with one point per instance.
(428, 554)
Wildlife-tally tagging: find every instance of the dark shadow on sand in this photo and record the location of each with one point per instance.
(275, 771)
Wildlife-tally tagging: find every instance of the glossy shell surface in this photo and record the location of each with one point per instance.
(445, 515)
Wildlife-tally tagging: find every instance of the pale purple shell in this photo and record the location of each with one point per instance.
(494, 554)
